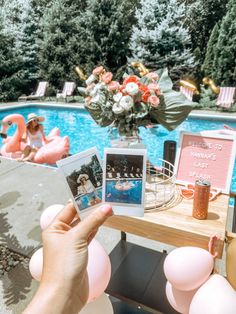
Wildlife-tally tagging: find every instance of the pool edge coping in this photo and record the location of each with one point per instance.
(194, 114)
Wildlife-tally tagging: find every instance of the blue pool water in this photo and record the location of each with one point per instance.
(84, 133)
(84, 201)
(132, 196)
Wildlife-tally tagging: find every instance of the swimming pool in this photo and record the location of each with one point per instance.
(84, 133)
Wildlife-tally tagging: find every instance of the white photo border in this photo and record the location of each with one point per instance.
(72, 159)
(124, 208)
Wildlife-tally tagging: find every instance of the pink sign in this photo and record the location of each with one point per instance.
(207, 157)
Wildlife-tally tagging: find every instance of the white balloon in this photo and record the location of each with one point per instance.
(36, 264)
(49, 214)
(215, 296)
(102, 305)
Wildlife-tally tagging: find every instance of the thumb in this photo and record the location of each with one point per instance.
(91, 223)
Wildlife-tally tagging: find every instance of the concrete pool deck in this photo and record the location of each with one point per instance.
(26, 190)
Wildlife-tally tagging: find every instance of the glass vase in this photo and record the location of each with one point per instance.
(124, 141)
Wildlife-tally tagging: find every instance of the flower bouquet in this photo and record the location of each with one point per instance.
(137, 101)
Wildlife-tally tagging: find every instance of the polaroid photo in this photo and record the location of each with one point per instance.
(124, 177)
(83, 174)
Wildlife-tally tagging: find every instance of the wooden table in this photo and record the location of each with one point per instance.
(175, 225)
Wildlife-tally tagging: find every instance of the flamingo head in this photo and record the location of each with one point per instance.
(10, 120)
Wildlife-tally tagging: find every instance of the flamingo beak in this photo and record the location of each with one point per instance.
(3, 135)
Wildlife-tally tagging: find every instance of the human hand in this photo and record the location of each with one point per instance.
(64, 284)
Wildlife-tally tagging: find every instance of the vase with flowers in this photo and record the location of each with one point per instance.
(136, 101)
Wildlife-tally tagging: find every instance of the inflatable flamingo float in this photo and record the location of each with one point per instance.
(13, 146)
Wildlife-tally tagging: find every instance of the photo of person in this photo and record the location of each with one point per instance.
(124, 177)
(83, 173)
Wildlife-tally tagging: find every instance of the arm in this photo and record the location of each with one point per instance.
(43, 134)
(24, 137)
(64, 285)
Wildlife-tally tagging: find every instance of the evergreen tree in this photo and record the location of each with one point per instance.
(58, 54)
(202, 15)
(224, 63)
(10, 66)
(105, 32)
(207, 66)
(29, 47)
(160, 38)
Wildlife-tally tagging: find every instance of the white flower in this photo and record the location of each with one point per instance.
(92, 78)
(126, 102)
(117, 109)
(131, 88)
(95, 90)
(117, 97)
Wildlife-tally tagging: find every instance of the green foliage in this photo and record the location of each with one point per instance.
(207, 66)
(159, 39)
(11, 76)
(201, 18)
(59, 47)
(224, 63)
(207, 98)
(105, 29)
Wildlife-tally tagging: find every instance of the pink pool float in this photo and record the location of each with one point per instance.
(49, 153)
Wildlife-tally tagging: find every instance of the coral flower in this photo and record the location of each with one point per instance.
(153, 101)
(98, 70)
(131, 79)
(107, 77)
(113, 85)
(146, 95)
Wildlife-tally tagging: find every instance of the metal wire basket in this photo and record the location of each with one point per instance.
(160, 188)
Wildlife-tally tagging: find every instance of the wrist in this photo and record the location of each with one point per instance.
(54, 299)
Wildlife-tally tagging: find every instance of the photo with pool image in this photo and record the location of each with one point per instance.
(124, 177)
(83, 173)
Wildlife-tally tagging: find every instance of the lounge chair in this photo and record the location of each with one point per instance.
(67, 91)
(187, 92)
(226, 97)
(39, 94)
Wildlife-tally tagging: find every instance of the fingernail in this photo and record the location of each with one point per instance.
(106, 209)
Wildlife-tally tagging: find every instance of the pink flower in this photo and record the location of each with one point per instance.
(152, 75)
(113, 85)
(107, 77)
(98, 70)
(153, 86)
(153, 101)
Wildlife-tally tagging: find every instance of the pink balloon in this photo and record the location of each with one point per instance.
(99, 270)
(179, 300)
(215, 296)
(49, 214)
(36, 264)
(187, 268)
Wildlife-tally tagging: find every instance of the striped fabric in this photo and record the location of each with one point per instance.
(226, 97)
(186, 92)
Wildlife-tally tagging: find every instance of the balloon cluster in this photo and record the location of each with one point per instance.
(191, 289)
(99, 266)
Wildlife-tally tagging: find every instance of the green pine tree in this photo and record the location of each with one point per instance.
(59, 47)
(105, 32)
(160, 38)
(207, 66)
(224, 63)
(11, 76)
(201, 17)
